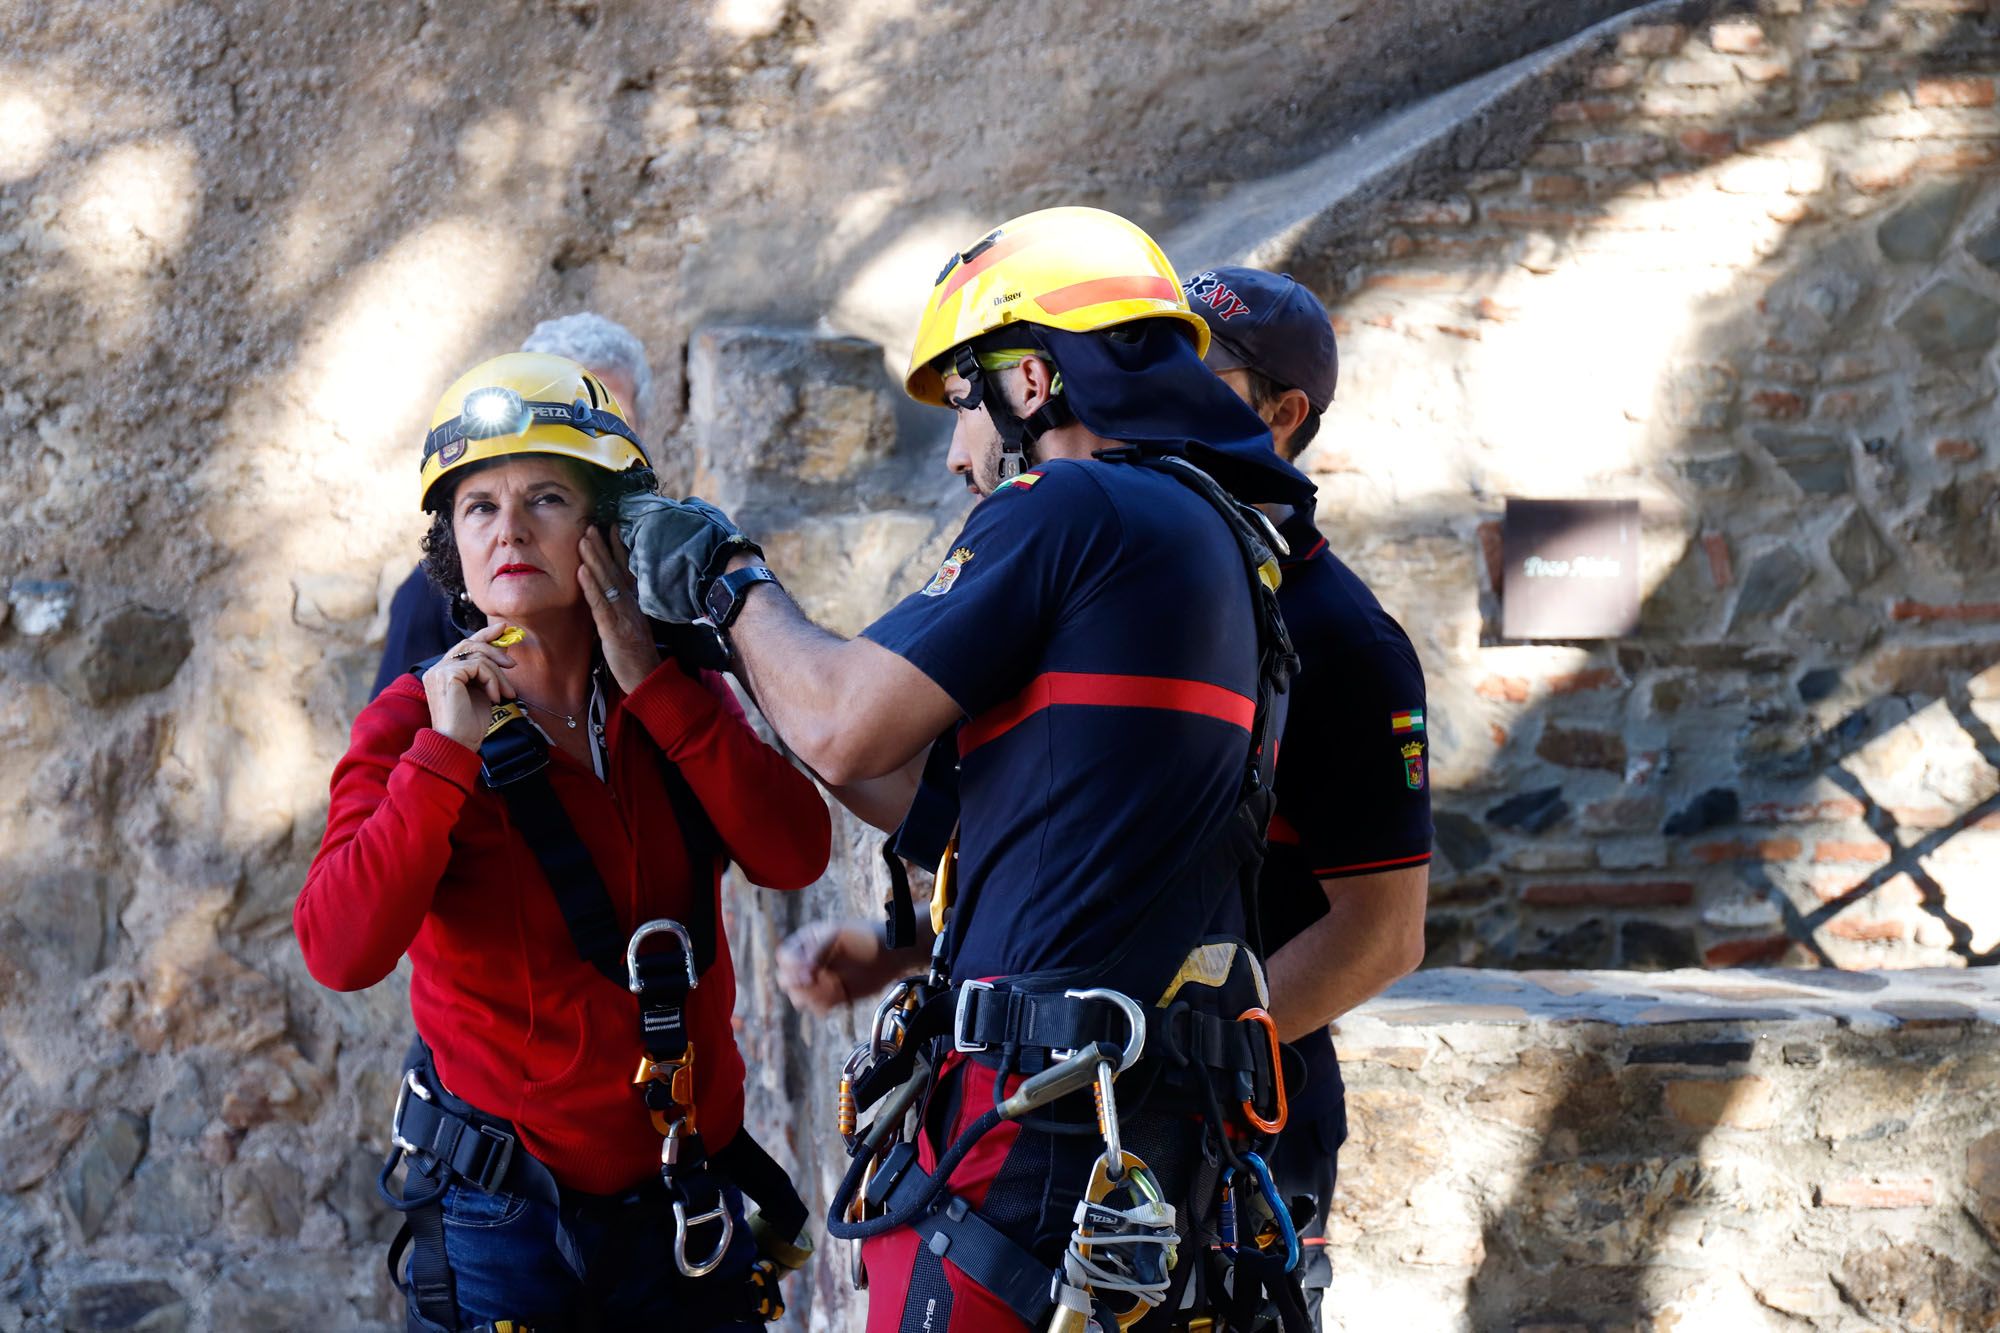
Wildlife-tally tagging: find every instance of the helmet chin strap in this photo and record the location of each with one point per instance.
(1017, 433)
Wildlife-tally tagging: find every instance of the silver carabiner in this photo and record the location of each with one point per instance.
(683, 1224)
(891, 1016)
(660, 927)
(1135, 1018)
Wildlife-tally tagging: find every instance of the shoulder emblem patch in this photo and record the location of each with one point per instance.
(948, 572)
(1413, 765)
(1020, 482)
(1408, 720)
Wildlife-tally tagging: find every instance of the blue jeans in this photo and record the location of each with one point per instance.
(516, 1258)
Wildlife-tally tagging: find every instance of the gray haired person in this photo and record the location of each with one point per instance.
(420, 624)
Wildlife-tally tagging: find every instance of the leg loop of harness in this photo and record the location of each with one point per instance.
(441, 1141)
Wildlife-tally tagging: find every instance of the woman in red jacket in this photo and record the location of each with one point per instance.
(509, 820)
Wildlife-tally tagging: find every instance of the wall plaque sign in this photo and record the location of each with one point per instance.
(1570, 569)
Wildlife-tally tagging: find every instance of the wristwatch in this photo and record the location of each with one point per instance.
(724, 598)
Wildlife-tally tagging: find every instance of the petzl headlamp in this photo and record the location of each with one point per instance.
(495, 412)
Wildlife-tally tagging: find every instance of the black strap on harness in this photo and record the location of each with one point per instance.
(923, 835)
(514, 761)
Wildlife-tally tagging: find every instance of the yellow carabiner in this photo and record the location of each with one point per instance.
(943, 884)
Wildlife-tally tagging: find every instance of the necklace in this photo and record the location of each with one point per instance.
(569, 719)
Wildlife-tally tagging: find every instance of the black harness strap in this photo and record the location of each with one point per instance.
(923, 835)
(514, 762)
(758, 1175)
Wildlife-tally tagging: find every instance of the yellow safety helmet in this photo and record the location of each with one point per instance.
(1077, 269)
(526, 403)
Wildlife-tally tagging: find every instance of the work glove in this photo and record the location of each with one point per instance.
(678, 547)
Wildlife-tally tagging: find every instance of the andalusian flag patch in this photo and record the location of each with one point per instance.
(1410, 720)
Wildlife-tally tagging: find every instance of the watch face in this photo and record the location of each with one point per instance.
(719, 598)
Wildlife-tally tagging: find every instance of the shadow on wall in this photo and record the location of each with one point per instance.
(1747, 276)
(241, 246)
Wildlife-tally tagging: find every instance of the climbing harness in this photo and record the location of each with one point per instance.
(1205, 1049)
(444, 1140)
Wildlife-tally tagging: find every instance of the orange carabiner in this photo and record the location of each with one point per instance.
(1277, 1122)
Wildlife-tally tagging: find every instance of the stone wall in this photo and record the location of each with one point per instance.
(1568, 1152)
(1746, 271)
(242, 244)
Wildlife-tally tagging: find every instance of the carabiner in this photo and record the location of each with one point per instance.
(683, 1224)
(1278, 1209)
(1135, 1019)
(892, 1015)
(1277, 1121)
(662, 926)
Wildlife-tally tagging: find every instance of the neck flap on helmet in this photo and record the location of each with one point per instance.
(1142, 384)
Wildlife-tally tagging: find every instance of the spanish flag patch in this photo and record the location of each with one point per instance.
(1408, 720)
(1022, 481)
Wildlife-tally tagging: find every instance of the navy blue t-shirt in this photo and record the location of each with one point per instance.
(419, 628)
(1354, 792)
(1093, 621)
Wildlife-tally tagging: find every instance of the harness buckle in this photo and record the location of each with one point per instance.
(495, 1173)
(503, 762)
(662, 926)
(961, 1011)
(677, 1074)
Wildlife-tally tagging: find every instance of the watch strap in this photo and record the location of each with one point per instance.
(725, 595)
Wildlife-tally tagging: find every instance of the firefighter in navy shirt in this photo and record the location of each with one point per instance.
(1097, 652)
(1345, 880)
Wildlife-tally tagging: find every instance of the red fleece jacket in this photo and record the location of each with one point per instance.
(419, 858)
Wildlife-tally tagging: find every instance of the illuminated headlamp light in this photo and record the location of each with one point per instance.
(489, 413)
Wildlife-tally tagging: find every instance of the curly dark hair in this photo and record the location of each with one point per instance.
(440, 546)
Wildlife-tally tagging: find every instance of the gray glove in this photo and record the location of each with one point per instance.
(678, 547)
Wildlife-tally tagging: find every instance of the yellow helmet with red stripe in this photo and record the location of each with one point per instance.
(1077, 269)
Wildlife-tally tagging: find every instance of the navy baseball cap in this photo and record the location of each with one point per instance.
(1269, 323)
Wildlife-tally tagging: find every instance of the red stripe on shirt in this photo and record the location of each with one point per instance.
(1318, 546)
(1105, 691)
(1282, 832)
(1099, 290)
(1336, 871)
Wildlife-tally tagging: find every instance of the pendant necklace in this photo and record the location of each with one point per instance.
(569, 719)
